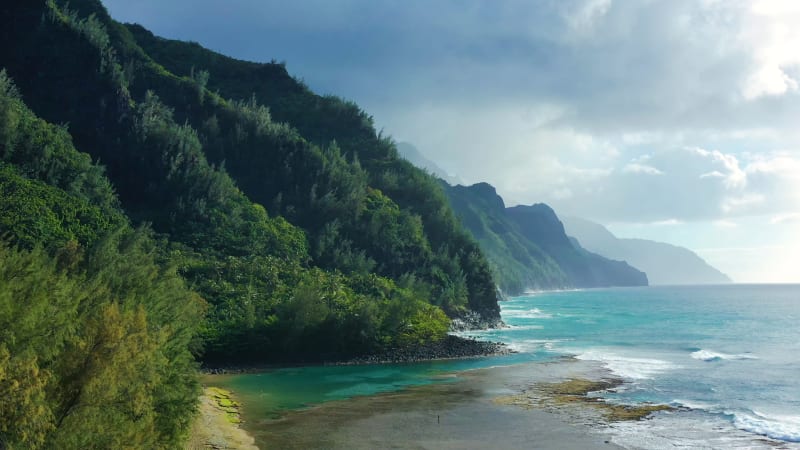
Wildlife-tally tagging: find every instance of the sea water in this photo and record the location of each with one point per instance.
(727, 357)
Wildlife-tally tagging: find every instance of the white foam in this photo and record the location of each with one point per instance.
(709, 355)
(781, 427)
(531, 345)
(524, 327)
(696, 431)
(694, 404)
(628, 367)
(533, 313)
(775, 426)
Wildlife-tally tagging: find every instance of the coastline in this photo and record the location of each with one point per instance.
(589, 400)
(218, 423)
(450, 348)
(466, 411)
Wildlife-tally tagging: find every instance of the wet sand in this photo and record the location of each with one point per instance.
(461, 414)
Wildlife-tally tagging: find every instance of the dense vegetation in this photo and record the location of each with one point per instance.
(115, 279)
(242, 259)
(528, 247)
(518, 263)
(195, 208)
(432, 241)
(96, 330)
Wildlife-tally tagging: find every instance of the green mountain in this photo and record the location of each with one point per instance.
(518, 263)
(354, 206)
(664, 264)
(528, 247)
(363, 207)
(154, 213)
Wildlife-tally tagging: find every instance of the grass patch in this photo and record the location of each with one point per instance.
(222, 400)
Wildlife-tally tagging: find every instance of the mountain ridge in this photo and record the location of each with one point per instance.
(528, 246)
(665, 264)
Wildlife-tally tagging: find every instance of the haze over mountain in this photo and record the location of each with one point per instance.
(673, 120)
(528, 248)
(414, 156)
(665, 264)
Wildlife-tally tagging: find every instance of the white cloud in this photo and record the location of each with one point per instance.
(785, 218)
(582, 17)
(712, 174)
(641, 168)
(734, 176)
(771, 33)
(768, 80)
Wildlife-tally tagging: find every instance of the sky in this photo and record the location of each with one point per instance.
(672, 120)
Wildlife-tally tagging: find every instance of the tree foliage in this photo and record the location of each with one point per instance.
(306, 236)
(95, 353)
(358, 250)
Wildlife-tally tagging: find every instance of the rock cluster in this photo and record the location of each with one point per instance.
(450, 347)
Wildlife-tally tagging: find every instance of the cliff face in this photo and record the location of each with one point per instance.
(664, 264)
(540, 224)
(518, 263)
(528, 247)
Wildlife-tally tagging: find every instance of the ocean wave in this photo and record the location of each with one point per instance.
(531, 345)
(524, 327)
(694, 404)
(775, 426)
(780, 427)
(686, 431)
(709, 355)
(534, 292)
(628, 367)
(533, 313)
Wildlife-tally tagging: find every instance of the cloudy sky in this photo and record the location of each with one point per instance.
(671, 120)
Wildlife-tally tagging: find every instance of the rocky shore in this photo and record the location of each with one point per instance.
(473, 321)
(451, 347)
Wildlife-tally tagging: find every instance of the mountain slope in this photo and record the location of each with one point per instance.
(540, 224)
(96, 326)
(664, 264)
(528, 247)
(518, 263)
(354, 249)
(452, 263)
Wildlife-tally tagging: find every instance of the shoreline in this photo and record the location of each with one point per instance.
(463, 413)
(450, 348)
(218, 423)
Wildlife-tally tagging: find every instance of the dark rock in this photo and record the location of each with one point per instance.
(451, 347)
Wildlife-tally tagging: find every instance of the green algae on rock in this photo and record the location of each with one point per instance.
(576, 391)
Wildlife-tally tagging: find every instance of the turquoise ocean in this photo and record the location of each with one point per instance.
(728, 357)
